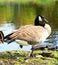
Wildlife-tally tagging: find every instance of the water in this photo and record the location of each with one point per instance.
(8, 28)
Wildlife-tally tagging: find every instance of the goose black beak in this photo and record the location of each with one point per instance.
(45, 20)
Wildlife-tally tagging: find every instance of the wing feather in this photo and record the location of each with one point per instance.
(30, 33)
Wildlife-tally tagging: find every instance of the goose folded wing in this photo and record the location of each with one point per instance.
(28, 33)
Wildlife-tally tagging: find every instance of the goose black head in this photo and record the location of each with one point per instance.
(40, 20)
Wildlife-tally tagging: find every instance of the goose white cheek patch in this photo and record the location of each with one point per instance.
(40, 19)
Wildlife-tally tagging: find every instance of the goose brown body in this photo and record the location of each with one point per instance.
(31, 34)
(1, 37)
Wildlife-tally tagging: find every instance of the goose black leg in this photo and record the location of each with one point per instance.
(32, 55)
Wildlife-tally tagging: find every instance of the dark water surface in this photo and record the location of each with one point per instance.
(8, 28)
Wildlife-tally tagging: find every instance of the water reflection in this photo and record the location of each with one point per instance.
(8, 28)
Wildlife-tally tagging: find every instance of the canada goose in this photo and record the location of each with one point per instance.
(33, 34)
(1, 37)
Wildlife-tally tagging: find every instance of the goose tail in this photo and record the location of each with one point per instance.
(1, 37)
(8, 39)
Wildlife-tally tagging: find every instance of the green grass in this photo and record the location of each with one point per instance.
(17, 58)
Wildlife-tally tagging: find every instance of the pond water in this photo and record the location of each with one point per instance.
(8, 28)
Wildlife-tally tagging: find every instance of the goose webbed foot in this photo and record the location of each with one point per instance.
(21, 46)
(32, 55)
